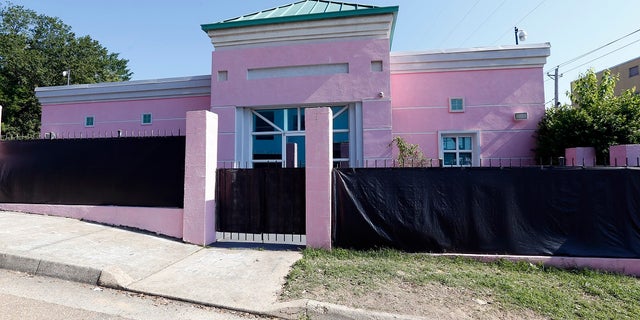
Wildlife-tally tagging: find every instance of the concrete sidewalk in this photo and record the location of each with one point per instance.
(242, 279)
(239, 279)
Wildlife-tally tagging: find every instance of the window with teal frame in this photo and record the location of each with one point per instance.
(89, 121)
(146, 118)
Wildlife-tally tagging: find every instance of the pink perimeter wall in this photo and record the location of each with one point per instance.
(420, 104)
(168, 116)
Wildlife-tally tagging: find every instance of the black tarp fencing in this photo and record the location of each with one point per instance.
(521, 211)
(262, 200)
(141, 171)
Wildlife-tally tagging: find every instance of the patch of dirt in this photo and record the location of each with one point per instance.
(430, 300)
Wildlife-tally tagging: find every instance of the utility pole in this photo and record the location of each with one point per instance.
(555, 77)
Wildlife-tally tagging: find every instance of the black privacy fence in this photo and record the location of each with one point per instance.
(571, 211)
(261, 200)
(141, 171)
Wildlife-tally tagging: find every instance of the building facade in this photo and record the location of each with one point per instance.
(629, 76)
(465, 106)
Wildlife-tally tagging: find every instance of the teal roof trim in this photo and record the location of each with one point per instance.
(263, 18)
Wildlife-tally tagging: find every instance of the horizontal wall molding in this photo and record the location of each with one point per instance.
(503, 57)
(368, 27)
(126, 90)
(297, 71)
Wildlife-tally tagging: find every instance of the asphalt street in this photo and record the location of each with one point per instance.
(24, 296)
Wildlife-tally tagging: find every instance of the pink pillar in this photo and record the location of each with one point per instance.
(319, 160)
(199, 177)
(625, 155)
(580, 157)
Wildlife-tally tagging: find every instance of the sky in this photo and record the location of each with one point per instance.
(163, 39)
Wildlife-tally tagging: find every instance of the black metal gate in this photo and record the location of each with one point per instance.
(261, 205)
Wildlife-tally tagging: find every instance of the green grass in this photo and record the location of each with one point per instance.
(555, 293)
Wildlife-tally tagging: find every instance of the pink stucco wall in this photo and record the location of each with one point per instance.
(359, 85)
(624, 155)
(168, 115)
(199, 224)
(420, 108)
(581, 156)
(318, 177)
(165, 221)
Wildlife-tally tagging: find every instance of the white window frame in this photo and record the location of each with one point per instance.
(93, 121)
(475, 146)
(244, 137)
(451, 99)
(150, 119)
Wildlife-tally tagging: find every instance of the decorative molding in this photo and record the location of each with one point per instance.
(521, 56)
(127, 90)
(367, 27)
(297, 71)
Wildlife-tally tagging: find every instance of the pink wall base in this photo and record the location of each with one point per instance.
(629, 267)
(319, 127)
(165, 221)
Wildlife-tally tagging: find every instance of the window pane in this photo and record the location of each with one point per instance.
(464, 143)
(340, 145)
(274, 116)
(302, 119)
(341, 121)
(292, 116)
(267, 149)
(450, 159)
(456, 105)
(465, 159)
(449, 143)
(295, 150)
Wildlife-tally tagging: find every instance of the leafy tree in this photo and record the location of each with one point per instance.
(409, 154)
(34, 50)
(597, 118)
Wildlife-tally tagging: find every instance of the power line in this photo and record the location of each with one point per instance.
(606, 54)
(459, 22)
(483, 22)
(517, 23)
(594, 50)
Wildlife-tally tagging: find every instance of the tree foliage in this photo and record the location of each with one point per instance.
(596, 118)
(409, 154)
(34, 50)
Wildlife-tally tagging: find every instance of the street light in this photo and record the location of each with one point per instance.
(67, 73)
(520, 34)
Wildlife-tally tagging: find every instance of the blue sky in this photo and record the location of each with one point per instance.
(163, 38)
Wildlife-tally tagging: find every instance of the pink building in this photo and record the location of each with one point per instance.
(465, 106)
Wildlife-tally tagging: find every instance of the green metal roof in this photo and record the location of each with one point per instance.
(305, 10)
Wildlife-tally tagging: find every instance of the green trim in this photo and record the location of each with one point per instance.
(305, 17)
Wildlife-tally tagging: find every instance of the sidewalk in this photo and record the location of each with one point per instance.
(241, 279)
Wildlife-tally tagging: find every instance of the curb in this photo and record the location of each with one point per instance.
(115, 278)
(317, 310)
(49, 268)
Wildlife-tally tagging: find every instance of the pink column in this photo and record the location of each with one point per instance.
(625, 155)
(199, 177)
(580, 157)
(319, 159)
